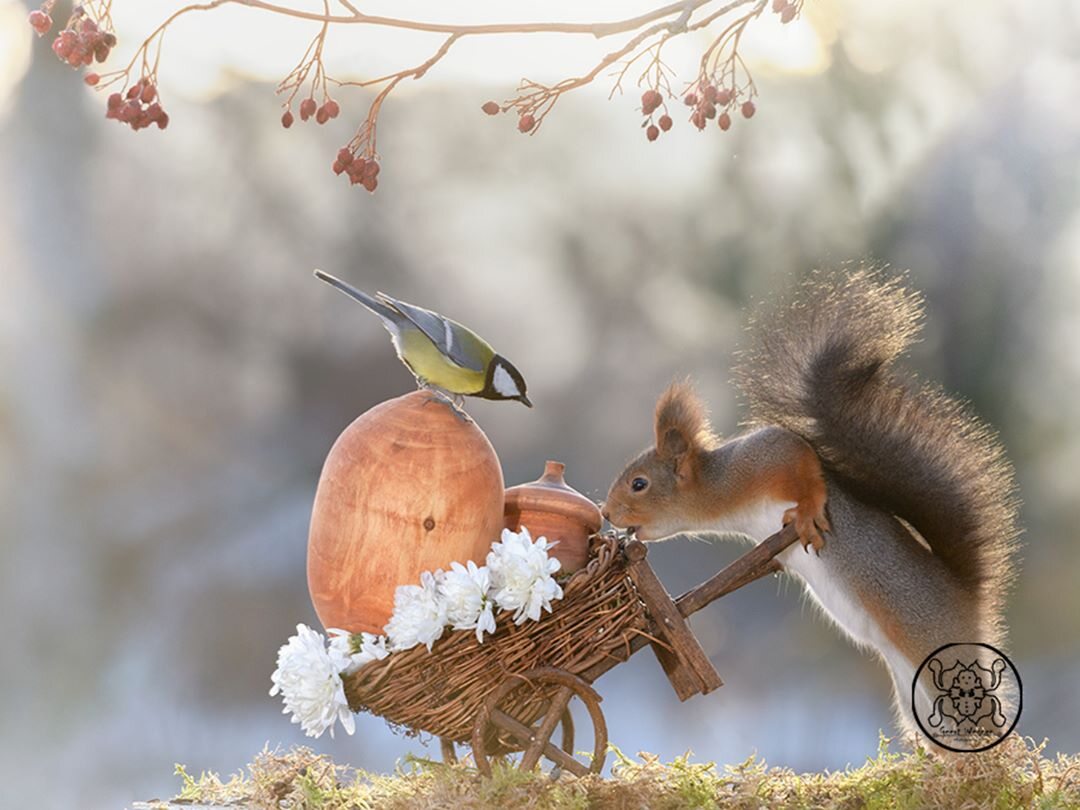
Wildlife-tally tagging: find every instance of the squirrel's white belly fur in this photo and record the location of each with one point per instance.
(830, 592)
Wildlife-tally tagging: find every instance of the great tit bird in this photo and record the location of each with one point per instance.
(441, 353)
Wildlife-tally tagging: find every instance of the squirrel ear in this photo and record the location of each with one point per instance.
(682, 424)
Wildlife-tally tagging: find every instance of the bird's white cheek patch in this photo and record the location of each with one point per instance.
(504, 383)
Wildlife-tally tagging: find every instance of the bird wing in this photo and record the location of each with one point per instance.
(461, 345)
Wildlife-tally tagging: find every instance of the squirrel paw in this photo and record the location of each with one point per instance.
(810, 524)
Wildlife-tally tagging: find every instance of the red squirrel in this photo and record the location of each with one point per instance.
(903, 500)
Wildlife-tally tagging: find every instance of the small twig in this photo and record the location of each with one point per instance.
(366, 135)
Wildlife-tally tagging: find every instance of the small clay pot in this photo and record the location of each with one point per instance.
(549, 508)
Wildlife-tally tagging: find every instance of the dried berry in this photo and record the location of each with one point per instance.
(709, 111)
(135, 90)
(344, 156)
(333, 109)
(724, 121)
(163, 120)
(92, 79)
(149, 93)
(321, 115)
(710, 94)
(130, 112)
(697, 119)
(115, 100)
(526, 123)
(691, 100)
(665, 122)
(287, 119)
(307, 108)
(490, 107)
(66, 48)
(653, 132)
(371, 183)
(650, 100)
(338, 167)
(40, 22)
(724, 96)
(748, 109)
(788, 14)
(779, 5)
(355, 170)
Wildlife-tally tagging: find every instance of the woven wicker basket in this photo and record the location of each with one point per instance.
(441, 692)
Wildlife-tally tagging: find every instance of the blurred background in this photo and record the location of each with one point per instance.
(171, 377)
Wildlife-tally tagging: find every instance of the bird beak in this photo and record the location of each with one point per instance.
(525, 401)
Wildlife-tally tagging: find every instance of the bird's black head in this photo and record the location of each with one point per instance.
(504, 381)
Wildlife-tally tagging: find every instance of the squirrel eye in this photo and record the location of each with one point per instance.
(638, 484)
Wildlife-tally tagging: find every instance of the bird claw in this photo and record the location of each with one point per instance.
(455, 403)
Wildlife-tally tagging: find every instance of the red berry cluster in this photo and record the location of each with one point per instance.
(651, 101)
(40, 21)
(138, 108)
(787, 9)
(710, 102)
(81, 42)
(308, 109)
(364, 171)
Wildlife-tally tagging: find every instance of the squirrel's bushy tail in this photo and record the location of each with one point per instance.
(820, 365)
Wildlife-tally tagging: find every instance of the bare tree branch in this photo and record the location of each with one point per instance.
(722, 85)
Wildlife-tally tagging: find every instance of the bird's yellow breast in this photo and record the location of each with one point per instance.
(428, 363)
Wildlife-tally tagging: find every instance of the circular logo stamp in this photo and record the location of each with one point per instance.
(967, 697)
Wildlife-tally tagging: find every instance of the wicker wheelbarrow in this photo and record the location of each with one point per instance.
(511, 693)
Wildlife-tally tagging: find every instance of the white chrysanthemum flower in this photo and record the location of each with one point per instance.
(419, 614)
(367, 648)
(521, 575)
(464, 590)
(308, 676)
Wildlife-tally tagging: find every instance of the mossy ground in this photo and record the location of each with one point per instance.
(1014, 774)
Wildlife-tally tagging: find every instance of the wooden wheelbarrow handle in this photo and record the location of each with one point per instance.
(671, 614)
(754, 564)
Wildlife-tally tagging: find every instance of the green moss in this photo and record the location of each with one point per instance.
(1012, 775)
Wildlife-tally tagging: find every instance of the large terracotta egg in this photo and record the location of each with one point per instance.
(410, 486)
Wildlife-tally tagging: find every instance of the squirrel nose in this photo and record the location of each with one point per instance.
(605, 513)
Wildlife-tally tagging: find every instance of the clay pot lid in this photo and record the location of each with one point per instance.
(550, 493)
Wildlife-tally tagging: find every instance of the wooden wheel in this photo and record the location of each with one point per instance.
(534, 741)
(449, 749)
